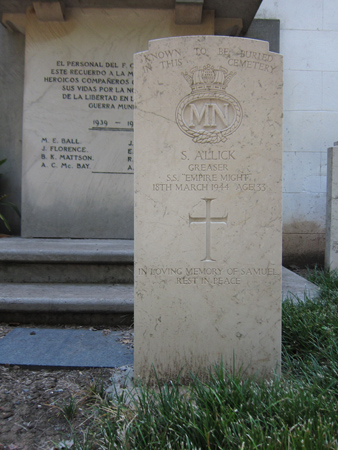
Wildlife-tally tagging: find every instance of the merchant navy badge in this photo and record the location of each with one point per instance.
(208, 114)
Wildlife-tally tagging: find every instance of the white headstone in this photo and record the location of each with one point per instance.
(331, 250)
(208, 170)
(78, 119)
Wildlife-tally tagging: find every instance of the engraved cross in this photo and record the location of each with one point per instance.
(208, 220)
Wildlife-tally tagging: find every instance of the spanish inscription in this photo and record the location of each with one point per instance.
(102, 85)
(99, 84)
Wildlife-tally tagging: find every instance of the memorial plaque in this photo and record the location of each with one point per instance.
(208, 170)
(78, 118)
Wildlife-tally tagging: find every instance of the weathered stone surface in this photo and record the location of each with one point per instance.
(78, 119)
(81, 251)
(331, 250)
(67, 297)
(296, 287)
(64, 348)
(208, 133)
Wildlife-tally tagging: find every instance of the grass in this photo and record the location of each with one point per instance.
(69, 409)
(296, 411)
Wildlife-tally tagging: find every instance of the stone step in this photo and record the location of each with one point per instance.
(39, 297)
(84, 281)
(105, 298)
(66, 273)
(17, 249)
(92, 298)
(53, 297)
(24, 260)
(66, 303)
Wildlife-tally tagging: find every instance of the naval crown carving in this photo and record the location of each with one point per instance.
(208, 114)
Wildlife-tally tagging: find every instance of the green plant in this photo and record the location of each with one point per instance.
(95, 390)
(4, 202)
(69, 409)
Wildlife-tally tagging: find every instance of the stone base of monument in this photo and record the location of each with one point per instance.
(83, 281)
(296, 287)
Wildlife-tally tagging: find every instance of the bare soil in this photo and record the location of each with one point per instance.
(31, 401)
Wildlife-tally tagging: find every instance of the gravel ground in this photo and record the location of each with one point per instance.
(31, 401)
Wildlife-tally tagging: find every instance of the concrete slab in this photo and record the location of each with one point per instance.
(295, 286)
(39, 297)
(65, 250)
(64, 348)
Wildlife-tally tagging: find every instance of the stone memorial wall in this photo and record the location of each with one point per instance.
(78, 118)
(208, 170)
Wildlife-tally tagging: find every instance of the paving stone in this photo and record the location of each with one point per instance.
(66, 348)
